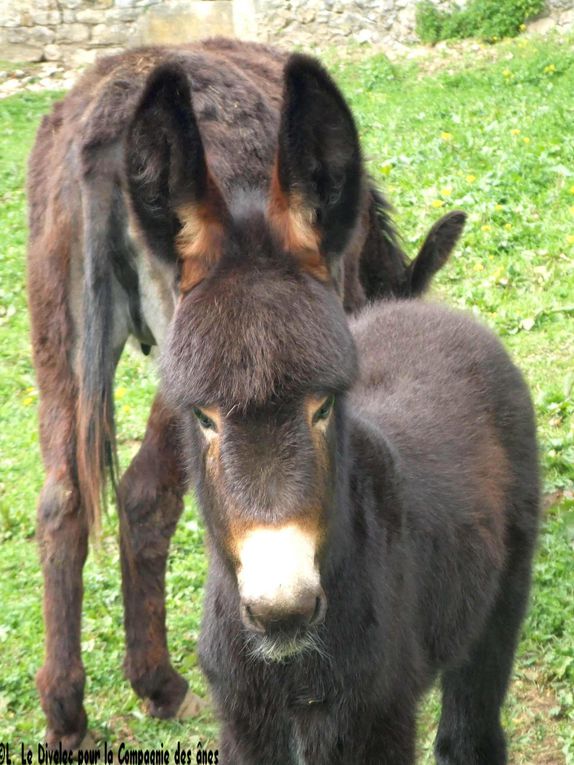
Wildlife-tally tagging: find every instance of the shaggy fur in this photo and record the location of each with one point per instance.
(137, 185)
(429, 520)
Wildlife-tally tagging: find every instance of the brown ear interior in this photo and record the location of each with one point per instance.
(199, 242)
(296, 226)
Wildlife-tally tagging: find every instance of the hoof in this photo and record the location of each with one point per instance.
(72, 742)
(88, 742)
(191, 706)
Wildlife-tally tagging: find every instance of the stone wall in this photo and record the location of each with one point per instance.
(77, 30)
(384, 23)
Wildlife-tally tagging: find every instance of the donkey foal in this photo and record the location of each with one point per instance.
(367, 530)
(365, 534)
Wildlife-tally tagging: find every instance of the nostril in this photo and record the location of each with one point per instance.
(319, 612)
(249, 618)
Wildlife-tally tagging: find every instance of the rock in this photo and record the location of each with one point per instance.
(186, 21)
(73, 33)
(53, 52)
(33, 36)
(365, 36)
(81, 57)
(566, 19)
(108, 34)
(245, 19)
(407, 17)
(90, 16)
(541, 26)
(46, 18)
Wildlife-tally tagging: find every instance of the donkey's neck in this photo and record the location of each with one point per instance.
(369, 507)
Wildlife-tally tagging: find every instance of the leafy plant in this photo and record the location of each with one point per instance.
(487, 19)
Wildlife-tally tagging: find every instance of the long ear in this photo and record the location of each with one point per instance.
(317, 181)
(177, 202)
(436, 250)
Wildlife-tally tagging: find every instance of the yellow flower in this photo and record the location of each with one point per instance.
(126, 408)
(507, 73)
(570, 238)
(572, 189)
(472, 178)
(386, 169)
(120, 392)
(446, 192)
(526, 139)
(446, 136)
(478, 267)
(498, 208)
(550, 69)
(28, 401)
(515, 131)
(508, 226)
(437, 203)
(486, 228)
(522, 27)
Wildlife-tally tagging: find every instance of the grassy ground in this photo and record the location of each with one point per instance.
(490, 133)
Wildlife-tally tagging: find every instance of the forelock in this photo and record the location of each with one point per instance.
(246, 337)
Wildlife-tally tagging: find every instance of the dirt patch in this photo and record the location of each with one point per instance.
(535, 719)
(35, 78)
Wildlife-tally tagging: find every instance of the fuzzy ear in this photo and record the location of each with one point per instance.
(436, 250)
(317, 181)
(178, 205)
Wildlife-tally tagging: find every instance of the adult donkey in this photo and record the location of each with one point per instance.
(125, 216)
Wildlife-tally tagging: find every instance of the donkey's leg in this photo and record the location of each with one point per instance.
(151, 500)
(63, 540)
(393, 736)
(470, 732)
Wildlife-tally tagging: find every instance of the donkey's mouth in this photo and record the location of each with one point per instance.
(281, 647)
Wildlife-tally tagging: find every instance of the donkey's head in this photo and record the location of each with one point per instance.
(315, 194)
(257, 365)
(259, 354)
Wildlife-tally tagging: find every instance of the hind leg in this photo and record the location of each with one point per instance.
(151, 501)
(470, 731)
(63, 540)
(62, 528)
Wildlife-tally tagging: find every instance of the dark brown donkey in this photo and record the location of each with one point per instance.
(369, 530)
(124, 218)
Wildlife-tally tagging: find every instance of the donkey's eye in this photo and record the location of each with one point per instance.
(324, 410)
(205, 421)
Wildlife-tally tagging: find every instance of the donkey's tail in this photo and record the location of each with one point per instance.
(96, 440)
(435, 251)
(385, 270)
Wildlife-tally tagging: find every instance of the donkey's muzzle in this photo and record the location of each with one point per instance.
(285, 619)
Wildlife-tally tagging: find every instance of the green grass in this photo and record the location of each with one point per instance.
(493, 137)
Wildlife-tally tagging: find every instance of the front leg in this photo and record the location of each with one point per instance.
(250, 739)
(151, 502)
(358, 735)
(392, 738)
